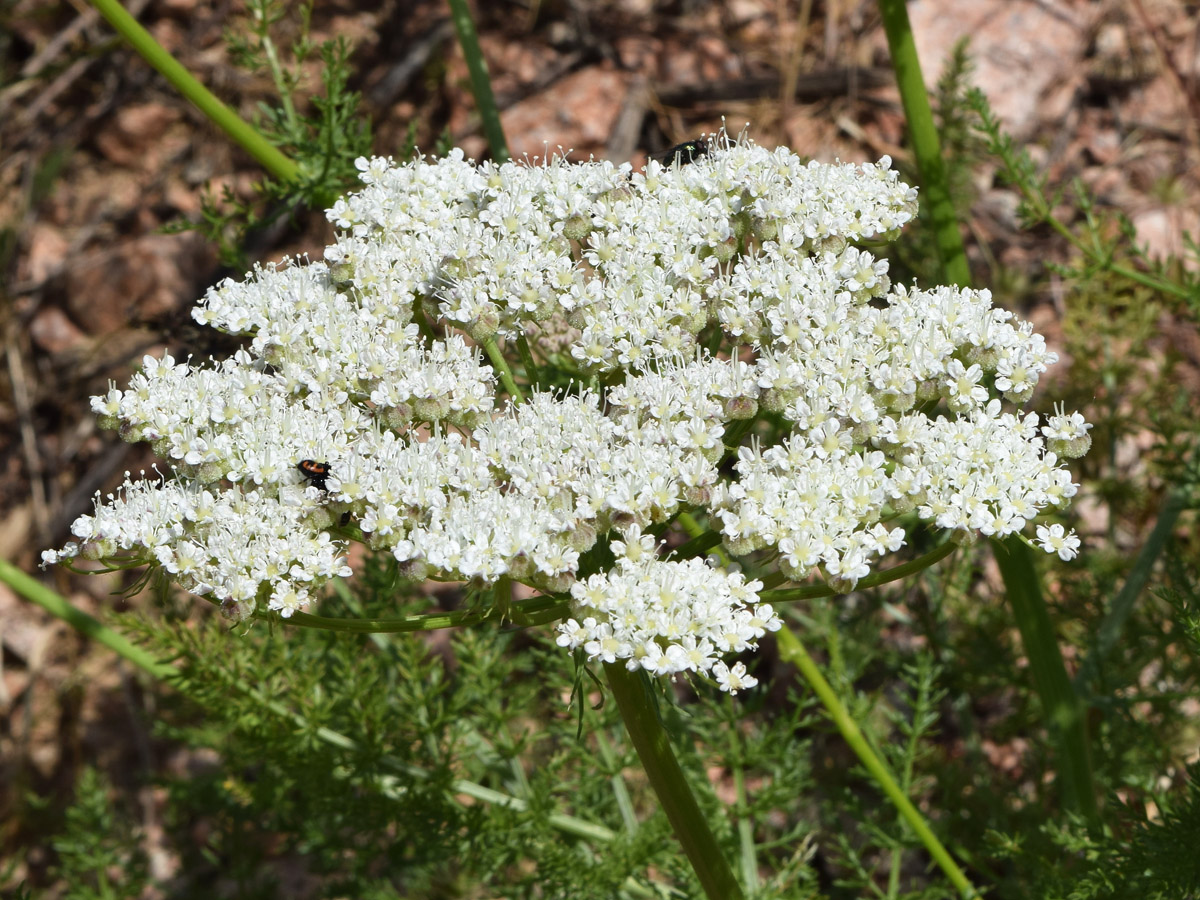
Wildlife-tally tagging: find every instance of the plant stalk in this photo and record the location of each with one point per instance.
(791, 650)
(925, 142)
(241, 132)
(481, 83)
(500, 364)
(632, 692)
(1061, 706)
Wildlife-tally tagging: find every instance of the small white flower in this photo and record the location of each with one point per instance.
(572, 634)
(287, 599)
(1067, 435)
(963, 388)
(733, 679)
(1055, 539)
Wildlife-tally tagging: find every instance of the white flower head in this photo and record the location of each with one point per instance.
(1067, 435)
(669, 617)
(676, 307)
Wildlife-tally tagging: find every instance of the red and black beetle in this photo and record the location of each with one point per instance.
(315, 472)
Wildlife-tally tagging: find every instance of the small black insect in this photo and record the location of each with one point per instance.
(688, 151)
(315, 472)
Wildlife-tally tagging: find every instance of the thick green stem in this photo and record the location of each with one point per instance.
(924, 137)
(697, 546)
(242, 133)
(793, 651)
(632, 693)
(523, 612)
(532, 375)
(1061, 706)
(481, 84)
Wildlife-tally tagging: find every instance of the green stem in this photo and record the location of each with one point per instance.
(1118, 613)
(400, 625)
(632, 693)
(535, 609)
(532, 374)
(924, 137)
(793, 651)
(500, 364)
(896, 573)
(1061, 706)
(243, 134)
(481, 84)
(1145, 279)
(691, 527)
(697, 546)
(702, 541)
(277, 75)
(1000, 146)
(747, 855)
(58, 606)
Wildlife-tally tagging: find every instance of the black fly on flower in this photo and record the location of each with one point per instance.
(687, 152)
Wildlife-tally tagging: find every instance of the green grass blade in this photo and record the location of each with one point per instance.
(925, 142)
(1061, 706)
(240, 131)
(481, 83)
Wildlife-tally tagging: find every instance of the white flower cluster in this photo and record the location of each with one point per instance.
(668, 306)
(668, 617)
(258, 546)
(530, 491)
